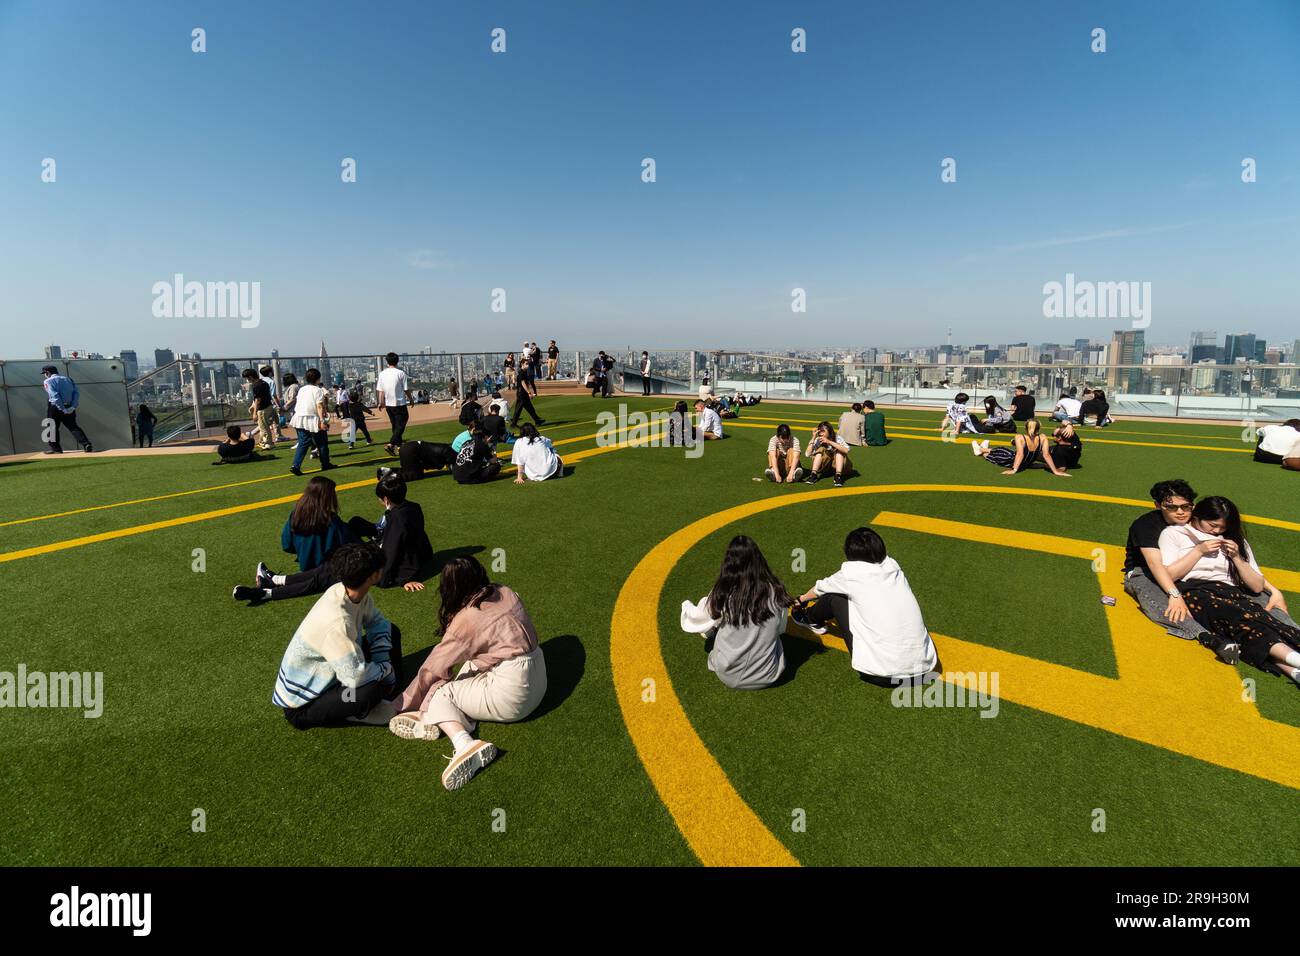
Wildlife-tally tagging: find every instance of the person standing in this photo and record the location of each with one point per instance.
(645, 373)
(524, 404)
(61, 398)
(552, 360)
(144, 422)
(394, 390)
(311, 422)
(606, 383)
(261, 408)
(508, 367)
(267, 374)
(536, 358)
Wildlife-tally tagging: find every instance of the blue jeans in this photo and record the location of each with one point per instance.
(306, 440)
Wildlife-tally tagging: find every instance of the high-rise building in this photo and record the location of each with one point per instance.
(1127, 347)
(1204, 345)
(1240, 346)
(53, 352)
(171, 377)
(130, 364)
(325, 377)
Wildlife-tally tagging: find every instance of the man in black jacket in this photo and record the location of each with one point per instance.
(401, 536)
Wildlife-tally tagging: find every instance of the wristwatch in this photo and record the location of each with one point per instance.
(1175, 593)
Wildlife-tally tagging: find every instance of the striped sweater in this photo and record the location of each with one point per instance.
(338, 642)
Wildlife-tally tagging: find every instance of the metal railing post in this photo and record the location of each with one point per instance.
(460, 375)
(196, 395)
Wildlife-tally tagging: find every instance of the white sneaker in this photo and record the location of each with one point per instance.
(408, 726)
(985, 444)
(468, 762)
(974, 446)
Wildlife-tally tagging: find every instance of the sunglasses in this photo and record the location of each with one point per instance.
(1176, 507)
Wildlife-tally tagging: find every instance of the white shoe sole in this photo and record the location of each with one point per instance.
(464, 765)
(412, 728)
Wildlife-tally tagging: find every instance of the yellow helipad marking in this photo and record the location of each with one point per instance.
(272, 502)
(1170, 694)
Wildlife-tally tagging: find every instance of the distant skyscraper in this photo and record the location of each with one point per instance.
(53, 352)
(324, 366)
(1127, 347)
(1238, 346)
(163, 357)
(130, 365)
(1203, 346)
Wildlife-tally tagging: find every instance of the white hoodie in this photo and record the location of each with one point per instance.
(889, 635)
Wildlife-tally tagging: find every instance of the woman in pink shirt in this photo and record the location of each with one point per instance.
(485, 627)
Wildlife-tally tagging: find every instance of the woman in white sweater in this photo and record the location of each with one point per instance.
(534, 456)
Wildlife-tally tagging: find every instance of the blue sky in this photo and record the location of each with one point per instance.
(522, 171)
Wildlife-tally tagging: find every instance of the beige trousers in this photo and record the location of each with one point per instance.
(265, 422)
(506, 693)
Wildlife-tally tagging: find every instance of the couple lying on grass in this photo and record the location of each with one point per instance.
(868, 598)
(344, 664)
(1192, 571)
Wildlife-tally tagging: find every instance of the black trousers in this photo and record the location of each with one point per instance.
(832, 607)
(1267, 457)
(416, 456)
(302, 583)
(397, 417)
(606, 386)
(523, 404)
(60, 417)
(645, 384)
(477, 474)
(362, 429)
(336, 705)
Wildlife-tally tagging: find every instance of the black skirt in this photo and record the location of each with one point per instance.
(1226, 611)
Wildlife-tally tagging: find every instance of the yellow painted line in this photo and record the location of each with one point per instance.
(1150, 702)
(253, 506)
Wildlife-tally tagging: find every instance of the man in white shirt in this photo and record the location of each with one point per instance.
(710, 421)
(1275, 443)
(645, 373)
(1067, 409)
(394, 394)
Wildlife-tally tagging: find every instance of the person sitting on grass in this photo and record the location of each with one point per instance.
(1067, 447)
(996, 418)
(957, 419)
(1095, 404)
(313, 530)
(1022, 405)
(853, 425)
(1217, 576)
(743, 615)
(1028, 449)
(1067, 408)
(485, 627)
(400, 533)
(874, 423)
(828, 453)
(680, 431)
(710, 422)
(727, 408)
(235, 449)
(783, 453)
(534, 456)
(875, 611)
(476, 461)
(345, 658)
(1275, 443)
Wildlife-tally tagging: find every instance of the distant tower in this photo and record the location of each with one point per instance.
(949, 335)
(325, 365)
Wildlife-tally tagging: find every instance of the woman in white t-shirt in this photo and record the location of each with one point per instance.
(783, 453)
(1276, 443)
(534, 456)
(1215, 570)
(311, 422)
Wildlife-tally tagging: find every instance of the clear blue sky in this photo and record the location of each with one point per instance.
(522, 171)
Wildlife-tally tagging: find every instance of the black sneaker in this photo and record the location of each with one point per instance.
(839, 481)
(1229, 652)
(812, 478)
(53, 451)
(87, 449)
(799, 617)
(381, 472)
(251, 595)
(264, 576)
(296, 471)
(328, 466)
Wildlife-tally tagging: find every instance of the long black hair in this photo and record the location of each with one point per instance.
(746, 590)
(1218, 508)
(991, 405)
(529, 431)
(464, 583)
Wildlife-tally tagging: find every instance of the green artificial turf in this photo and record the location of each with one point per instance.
(188, 721)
